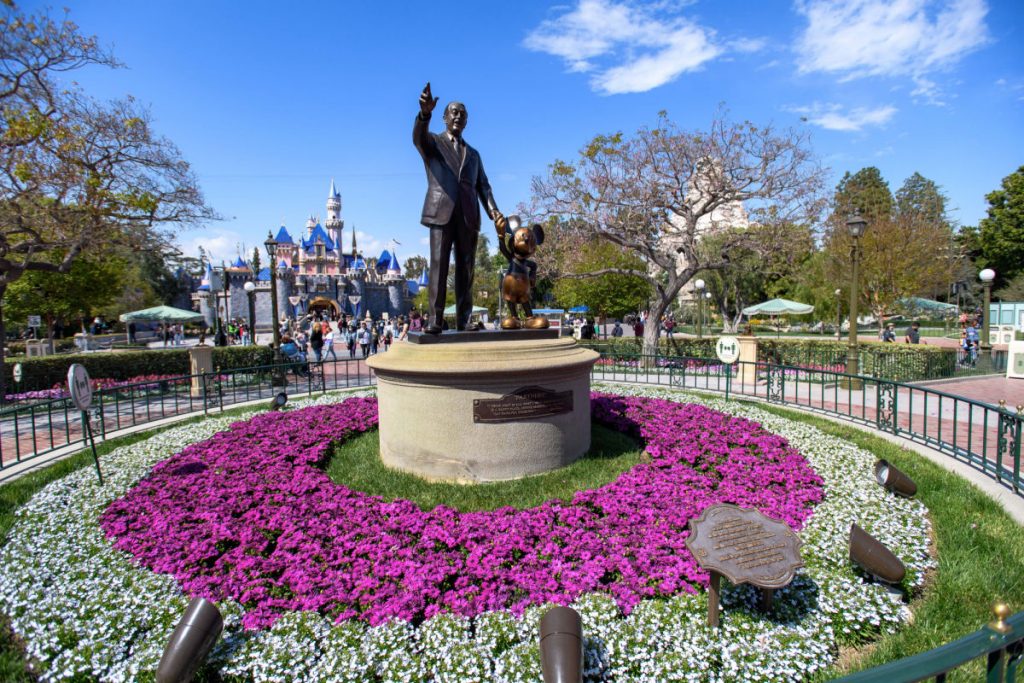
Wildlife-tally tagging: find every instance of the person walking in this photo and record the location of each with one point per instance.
(316, 341)
(913, 335)
(617, 330)
(329, 342)
(350, 342)
(364, 340)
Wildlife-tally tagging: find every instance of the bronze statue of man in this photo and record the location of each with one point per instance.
(456, 182)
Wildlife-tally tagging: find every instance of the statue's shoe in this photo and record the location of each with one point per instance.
(537, 322)
(511, 323)
(432, 329)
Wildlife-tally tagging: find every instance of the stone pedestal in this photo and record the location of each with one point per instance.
(200, 360)
(748, 360)
(503, 407)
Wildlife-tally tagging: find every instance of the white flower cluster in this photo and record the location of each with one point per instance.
(87, 612)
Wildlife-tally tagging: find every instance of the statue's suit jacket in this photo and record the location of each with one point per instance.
(451, 177)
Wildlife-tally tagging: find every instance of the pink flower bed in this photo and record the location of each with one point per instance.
(250, 515)
(60, 389)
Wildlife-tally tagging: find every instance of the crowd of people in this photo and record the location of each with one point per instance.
(317, 337)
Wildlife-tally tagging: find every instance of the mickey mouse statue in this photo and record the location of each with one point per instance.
(517, 243)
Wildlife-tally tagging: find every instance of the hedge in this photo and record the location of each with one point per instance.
(45, 372)
(899, 362)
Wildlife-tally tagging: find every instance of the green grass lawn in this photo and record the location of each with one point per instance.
(357, 464)
(980, 548)
(980, 557)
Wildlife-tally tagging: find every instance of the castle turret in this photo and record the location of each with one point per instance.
(334, 225)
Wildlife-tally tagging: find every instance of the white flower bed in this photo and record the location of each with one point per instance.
(86, 611)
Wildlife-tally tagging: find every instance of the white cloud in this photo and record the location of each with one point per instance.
(748, 44)
(626, 47)
(368, 244)
(219, 245)
(889, 37)
(832, 117)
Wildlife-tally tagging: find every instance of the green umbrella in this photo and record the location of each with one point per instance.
(161, 314)
(778, 307)
(774, 307)
(476, 309)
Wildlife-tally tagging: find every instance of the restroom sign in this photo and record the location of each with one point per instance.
(728, 350)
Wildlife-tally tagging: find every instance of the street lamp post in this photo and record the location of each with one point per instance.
(699, 286)
(707, 297)
(985, 358)
(856, 225)
(250, 291)
(271, 245)
(839, 314)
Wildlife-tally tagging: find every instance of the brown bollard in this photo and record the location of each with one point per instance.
(872, 555)
(561, 646)
(894, 480)
(191, 642)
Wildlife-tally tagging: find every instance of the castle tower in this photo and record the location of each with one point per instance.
(334, 225)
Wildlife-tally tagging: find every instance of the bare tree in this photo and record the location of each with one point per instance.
(661, 191)
(76, 174)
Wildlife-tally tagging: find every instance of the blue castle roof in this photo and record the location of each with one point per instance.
(393, 263)
(424, 280)
(263, 275)
(204, 285)
(239, 263)
(382, 262)
(413, 287)
(283, 237)
(321, 234)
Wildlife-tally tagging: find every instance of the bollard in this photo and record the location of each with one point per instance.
(874, 558)
(561, 646)
(278, 401)
(191, 642)
(894, 480)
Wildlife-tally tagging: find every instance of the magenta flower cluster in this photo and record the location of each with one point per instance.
(60, 389)
(250, 515)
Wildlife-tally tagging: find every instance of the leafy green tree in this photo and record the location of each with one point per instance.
(66, 298)
(415, 266)
(611, 294)
(1001, 232)
(899, 254)
(77, 174)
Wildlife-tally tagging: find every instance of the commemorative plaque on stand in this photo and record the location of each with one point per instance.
(744, 546)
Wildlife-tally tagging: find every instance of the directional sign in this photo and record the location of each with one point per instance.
(35, 321)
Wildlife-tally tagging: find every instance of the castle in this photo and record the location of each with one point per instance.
(313, 273)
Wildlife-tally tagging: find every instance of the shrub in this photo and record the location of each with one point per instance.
(43, 373)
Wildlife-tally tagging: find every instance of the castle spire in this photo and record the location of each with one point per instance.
(354, 252)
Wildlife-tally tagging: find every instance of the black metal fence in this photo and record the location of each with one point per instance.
(28, 431)
(984, 435)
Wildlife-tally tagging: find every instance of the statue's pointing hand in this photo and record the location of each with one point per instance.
(427, 101)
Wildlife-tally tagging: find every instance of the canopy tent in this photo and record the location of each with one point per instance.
(775, 307)
(778, 307)
(579, 309)
(476, 310)
(161, 314)
(916, 305)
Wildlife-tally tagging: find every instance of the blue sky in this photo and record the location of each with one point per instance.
(269, 101)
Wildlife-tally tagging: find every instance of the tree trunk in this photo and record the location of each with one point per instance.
(652, 330)
(3, 349)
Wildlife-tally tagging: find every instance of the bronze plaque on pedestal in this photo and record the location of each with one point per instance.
(522, 404)
(744, 546)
